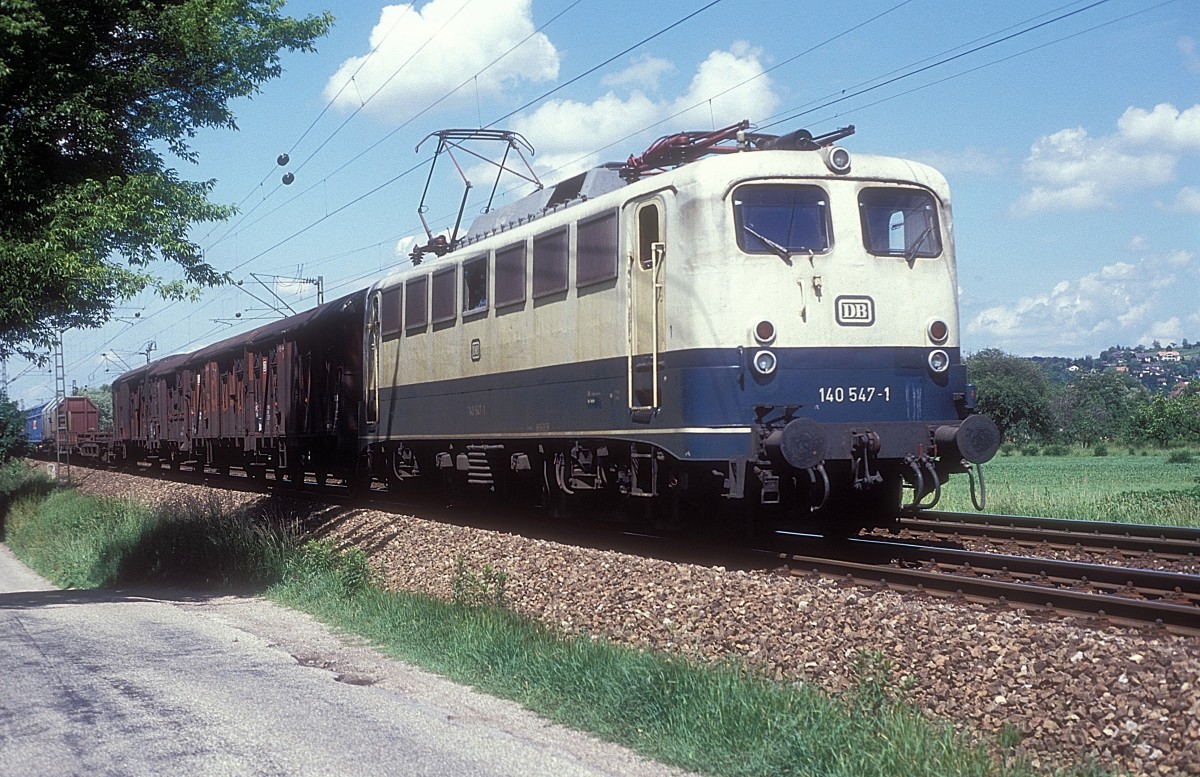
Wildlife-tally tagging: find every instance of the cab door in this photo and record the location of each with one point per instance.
(374, 344)
(647, 298)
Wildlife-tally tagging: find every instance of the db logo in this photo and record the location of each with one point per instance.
(855, 311)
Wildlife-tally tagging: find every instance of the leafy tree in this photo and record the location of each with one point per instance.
(91, 94)
(1097, 406)
(102, 399)
(1167, 420)
(1013, 392)
(12, 429)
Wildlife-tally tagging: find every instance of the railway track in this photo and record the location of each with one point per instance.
(1114, 594)
(1174, 542)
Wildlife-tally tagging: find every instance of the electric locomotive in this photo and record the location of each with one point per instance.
(758, 325)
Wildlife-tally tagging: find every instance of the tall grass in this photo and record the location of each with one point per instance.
(79, 541)
(721, 720)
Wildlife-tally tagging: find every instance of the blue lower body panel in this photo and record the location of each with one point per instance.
(709, 400)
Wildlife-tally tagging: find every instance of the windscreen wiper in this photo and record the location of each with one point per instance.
(910, 253)
(784, 254)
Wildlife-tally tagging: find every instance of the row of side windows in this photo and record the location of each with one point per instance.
(434, 298)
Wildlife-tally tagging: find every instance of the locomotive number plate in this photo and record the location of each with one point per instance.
(855, 310)
(839, 394)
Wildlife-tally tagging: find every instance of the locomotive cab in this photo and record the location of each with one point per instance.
(827, 291)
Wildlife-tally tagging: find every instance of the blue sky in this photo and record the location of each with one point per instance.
(1072, 148)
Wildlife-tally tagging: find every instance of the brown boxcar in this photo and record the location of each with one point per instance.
(285, 396)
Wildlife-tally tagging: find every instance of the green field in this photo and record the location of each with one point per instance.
(1157, 487)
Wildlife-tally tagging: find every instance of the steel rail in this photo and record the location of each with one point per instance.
(1178, 541)
(1134, 581)
(1040, 594)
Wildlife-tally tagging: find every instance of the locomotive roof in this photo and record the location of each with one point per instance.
(607, 178)
(582, 187)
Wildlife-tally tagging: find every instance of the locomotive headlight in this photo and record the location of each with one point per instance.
(837, 159)
(939, 360)
(938, 331)
(764, 362)
(764, 332)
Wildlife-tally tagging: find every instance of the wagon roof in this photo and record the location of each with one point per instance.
(168, 364)
(263, 334)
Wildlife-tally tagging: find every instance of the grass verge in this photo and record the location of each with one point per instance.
(720, 720)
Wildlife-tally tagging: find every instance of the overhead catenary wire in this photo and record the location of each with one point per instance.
(938, 63)
(856, 92)
(363, 104)
(546, 94)
(329, 104)
(1007, 58)
(411, 119)
(541, 97)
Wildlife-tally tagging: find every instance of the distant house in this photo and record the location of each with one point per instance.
(1168, 356)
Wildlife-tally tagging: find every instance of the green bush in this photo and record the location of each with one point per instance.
(13, 444)
(1180, 457)
(1056, 450)
(483, 589)
(1100, 450)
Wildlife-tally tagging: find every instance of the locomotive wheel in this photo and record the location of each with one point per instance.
(553, 499)
(359, 475)
(391, 476)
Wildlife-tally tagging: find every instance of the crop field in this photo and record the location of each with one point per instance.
(1129, 487)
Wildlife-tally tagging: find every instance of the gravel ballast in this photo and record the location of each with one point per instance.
(1073, 688)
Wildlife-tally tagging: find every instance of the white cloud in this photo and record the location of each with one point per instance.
(1164, 125)
(727, 87)
(1179, 258)
(1169, 331)
(1122, 302)
(404, 245)
(1187, 47)
(1085, 195)
(644, 73)
(571, 131)
(421, 55)
(1070, 170)
(1186, 201)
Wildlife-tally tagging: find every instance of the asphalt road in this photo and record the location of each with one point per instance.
(145, 682)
